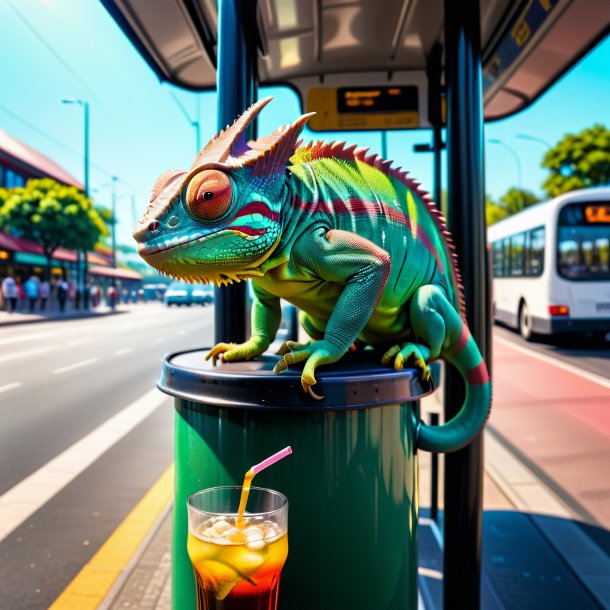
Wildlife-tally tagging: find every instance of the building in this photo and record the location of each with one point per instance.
(18, 164)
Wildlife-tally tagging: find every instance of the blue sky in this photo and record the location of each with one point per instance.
(55, 49)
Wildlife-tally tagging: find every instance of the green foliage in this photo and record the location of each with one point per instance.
(513, 201)
(51, 214)
(578, 161)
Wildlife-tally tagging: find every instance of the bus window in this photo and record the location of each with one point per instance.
(506, 256)
(517, 254)
(498, 259)
(583, 243)
(534, 261)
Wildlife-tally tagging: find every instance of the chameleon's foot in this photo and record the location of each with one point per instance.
(231, 352)
(315, 354)
(413, 352)
(288, 346)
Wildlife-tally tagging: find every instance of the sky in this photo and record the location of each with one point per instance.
(72, 49)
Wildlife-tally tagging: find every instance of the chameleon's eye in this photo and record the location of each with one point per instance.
(208, 196)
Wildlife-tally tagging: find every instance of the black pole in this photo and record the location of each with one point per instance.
(466, 217)
(236, 90)
(435, 115)
(434, 421)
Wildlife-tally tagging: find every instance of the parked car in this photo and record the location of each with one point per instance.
(177, 293)
(202, 294)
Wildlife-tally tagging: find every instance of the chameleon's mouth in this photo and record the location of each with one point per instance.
(175, 242)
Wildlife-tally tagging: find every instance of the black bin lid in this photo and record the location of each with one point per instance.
(357, 382)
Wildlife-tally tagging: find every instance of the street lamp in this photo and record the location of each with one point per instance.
(515, 156)
(85, 107)
(529, 138)
(81, 259)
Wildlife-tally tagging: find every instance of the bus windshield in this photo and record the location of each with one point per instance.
(583, 242)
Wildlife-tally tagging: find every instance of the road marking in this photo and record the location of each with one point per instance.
(125, 350)
(10, 386)
(78, 365)
(78, 342)
(95, 580)
(32, 337)
(558, 363)
(33, 492)
(24, 354)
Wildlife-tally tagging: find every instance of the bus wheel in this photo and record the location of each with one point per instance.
(525, 322)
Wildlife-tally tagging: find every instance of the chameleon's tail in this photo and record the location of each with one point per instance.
(464, 354)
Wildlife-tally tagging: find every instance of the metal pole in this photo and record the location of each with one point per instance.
(235, 75)
(384, 144)
(114, 181)
(434, 421)
(84, 266)
(434, 71)
(466, 216)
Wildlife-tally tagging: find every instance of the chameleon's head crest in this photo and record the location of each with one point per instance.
(268, 155)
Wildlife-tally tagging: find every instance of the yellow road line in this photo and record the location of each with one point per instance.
(93, 582)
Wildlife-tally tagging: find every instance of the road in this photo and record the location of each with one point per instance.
(552, 411)
(60, 381)
(63, 383)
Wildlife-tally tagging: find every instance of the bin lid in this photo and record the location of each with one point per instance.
(357, 382)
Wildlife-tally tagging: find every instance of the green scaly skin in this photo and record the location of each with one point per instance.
(351, 242)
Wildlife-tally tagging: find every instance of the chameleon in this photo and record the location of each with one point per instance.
(353, 242)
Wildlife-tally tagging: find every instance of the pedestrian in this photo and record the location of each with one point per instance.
(9, 292)
(32, 290)
(62, 293)
(95, 295)
(45, 291)
(20, 295)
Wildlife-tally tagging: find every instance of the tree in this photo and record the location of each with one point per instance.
(578, 161)
(52, 215)
(513, 201)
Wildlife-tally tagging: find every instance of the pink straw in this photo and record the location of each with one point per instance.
(276, 457)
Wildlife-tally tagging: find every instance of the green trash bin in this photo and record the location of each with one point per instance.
(351, 481)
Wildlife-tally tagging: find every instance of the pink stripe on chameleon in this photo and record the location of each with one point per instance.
(247, 230)
(478, 375)
(357, 206)
(258, 207)
(459, 346)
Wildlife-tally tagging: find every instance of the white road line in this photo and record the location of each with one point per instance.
(560, 364)
(78, 365)
(78, 342)
(24, 499)
(24, 354)
(21, 338)
(10, 386)
(125, 350)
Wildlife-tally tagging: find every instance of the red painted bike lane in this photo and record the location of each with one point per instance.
(558, 419)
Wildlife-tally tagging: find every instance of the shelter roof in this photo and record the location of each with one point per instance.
(527, 44)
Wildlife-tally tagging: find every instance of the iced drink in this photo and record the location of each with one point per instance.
(237, 562)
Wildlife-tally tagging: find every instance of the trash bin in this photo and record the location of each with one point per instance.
(351, 481)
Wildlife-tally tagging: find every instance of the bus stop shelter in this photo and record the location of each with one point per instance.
(386, 65)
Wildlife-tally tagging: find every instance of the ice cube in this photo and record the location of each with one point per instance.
(257, 545)
(253, 533)
(221, 526)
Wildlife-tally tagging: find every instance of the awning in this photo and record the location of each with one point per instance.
(312, 45)
(122, 274)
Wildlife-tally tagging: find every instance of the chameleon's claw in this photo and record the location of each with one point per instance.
(283, 350)
(387, 357)
(281, 365)
(308, 390)
(217, 350)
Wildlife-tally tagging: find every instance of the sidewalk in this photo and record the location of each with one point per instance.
(25, 317)
(513, 486)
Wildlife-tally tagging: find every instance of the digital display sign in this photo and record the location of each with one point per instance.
(377, 99)
(361, 108)
(595, 214)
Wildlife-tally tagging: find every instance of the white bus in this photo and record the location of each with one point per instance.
(551, 265)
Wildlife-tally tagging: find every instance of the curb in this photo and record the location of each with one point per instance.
(62, 318)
